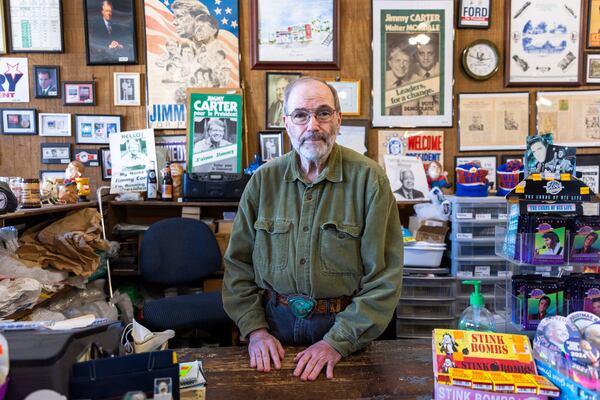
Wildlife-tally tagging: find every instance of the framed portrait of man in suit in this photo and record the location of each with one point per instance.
(110, 32)
(47, 81)
(276, 84)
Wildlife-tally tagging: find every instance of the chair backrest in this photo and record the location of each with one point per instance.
(178, 250)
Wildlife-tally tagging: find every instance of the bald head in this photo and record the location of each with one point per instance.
(302, 81)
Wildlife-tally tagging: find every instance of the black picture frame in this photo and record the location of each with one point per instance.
(274, 105)
(75, 94)
(105, 163)
(11, 121)
(53, 72)
(270, 144)
(43, 5)
(592, 37)
(99, 41)
(96, 129)
(51, 174)
(88, 157)
(504, 158)
(54, 153)
(462, 24)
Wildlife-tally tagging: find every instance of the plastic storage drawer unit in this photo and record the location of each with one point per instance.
(428, 288)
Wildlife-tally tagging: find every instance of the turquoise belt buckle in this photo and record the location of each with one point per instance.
(301, 306)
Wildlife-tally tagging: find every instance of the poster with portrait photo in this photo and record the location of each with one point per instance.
(214, 133)
(536, 153)
(559, 160)
(276, 84)
(132, 153)
(47, 81)
(189, 44)
(407, 177)
(412, 63)
(109, 36)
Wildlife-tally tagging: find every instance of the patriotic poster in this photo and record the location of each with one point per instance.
(14, 80)
(189, 44)
(214, 133)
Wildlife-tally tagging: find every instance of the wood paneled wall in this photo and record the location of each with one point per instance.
(20, 155)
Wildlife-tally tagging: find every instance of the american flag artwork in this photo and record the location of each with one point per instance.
(189, 44)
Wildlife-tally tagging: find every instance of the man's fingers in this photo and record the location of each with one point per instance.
(252, 357)
(299, 355)
(259, 360)
(314, 374)
(265, 358)
(280, 350)
(301, 363)
(329, 373)
(275, 355)
(310, 365)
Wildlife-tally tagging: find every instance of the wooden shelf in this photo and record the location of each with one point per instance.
(157, 203)
(48, 209)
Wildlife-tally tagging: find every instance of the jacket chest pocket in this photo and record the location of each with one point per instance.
(271, 245)
(339, 247)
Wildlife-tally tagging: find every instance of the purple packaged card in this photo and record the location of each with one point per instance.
(585, 246)
(541, 300)
(549, 241)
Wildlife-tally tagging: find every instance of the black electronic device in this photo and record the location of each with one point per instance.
(8, 201)
(213, 186)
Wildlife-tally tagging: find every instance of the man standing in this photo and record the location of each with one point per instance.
(399, 76)
(427, 67)
(275, 113)
(315, 256)
(46, 85)
(407, 191)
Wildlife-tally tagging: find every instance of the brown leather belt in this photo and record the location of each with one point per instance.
(336, 305)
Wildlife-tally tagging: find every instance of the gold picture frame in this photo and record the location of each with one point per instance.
(349, 94)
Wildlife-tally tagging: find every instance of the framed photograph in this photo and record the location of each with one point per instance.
(592, 69)
(353, 134)
(127, 89)
(175, 39)
(543, 42)
(493, 121)
(588, 170)
(2, 30)
(573, 117)
(35, 26)
(109, 37)
(349, 93)
(276, 84)
(474, 13)
(80, 93)
(105, 163)
(487, 162)
(271, 145)
(55, 153)
(282, 39)
(412, 63)
(510, 157)
(88, 157)
(55, 124)
(18, 121)
(51, 174)
(593, 33)
(47, 81)
(96, 129)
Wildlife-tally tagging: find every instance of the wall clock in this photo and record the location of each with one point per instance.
(481, 59)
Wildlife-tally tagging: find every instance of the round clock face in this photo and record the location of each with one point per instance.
(481, 60)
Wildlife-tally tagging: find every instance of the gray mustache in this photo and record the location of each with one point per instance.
(314, 136)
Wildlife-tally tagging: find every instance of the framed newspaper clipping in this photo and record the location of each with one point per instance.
(493, 121)
(214, 133)
(412, 63)
(35, 26)
(543, 44)
(571, 116)
(189, 44)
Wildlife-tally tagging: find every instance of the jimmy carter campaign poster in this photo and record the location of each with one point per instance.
(189, 44)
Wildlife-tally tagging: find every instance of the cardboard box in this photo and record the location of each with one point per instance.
(223, 242)
(428, 230)
(224, 225)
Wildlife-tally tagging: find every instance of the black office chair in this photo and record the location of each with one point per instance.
(179, 251)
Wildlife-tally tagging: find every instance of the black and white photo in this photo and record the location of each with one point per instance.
(213, 133)
(54, 124)
(47, 81)
(271, 145)
(55, 153)
(96, 129)
(110, 32)
(105, 163)
(276, 84)
(127, 89)
(407, 177)
(17, 121)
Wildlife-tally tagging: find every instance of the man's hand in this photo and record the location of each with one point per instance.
(312, 360)
(115, 45)
(262, 348)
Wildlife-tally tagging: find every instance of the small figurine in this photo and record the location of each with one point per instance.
(69, 194)
(436, 177)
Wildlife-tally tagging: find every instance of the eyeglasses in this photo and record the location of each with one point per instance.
(301, 116)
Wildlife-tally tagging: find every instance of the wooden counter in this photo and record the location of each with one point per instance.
(387, 369)
(43, 212)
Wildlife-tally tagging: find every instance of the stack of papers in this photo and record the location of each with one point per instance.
(191, 374)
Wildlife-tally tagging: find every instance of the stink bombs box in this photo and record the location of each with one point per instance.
(484, 351)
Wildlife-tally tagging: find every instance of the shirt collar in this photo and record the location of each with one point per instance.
(332, 171)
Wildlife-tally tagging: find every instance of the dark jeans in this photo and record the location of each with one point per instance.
(291, 330)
